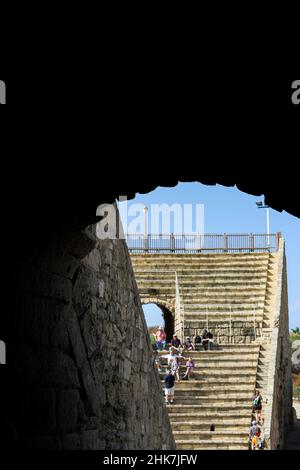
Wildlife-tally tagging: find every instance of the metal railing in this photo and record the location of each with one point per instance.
(227, 318)
(179, 310)
(203, 243)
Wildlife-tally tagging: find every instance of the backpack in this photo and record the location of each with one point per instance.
(197, 339)
(256, 401)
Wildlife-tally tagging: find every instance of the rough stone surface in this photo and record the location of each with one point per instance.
(84, 371)
(279, 393)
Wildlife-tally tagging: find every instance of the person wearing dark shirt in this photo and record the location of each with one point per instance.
(188, 345)
(169, 387)
(197, 342)
(257, 405)
(207, 339)
(254, 434)
(175, 342)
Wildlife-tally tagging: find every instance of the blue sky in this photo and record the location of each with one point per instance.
(231, 211)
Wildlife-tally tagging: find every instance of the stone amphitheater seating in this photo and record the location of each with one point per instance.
(210, 287)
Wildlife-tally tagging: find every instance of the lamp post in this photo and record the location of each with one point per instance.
(146, 227)
(261, 205)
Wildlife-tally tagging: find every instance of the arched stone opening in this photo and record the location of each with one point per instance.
(47, 280)
(168, 316)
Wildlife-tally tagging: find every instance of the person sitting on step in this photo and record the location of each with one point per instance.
(197, 342)
(207, 339)
(176, 343)
(190, 365)
(188, 345)
(160, 337)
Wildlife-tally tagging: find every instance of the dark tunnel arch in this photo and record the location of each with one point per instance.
(69, 210)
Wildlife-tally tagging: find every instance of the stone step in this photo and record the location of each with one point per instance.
(215, 275)
(210, 445)
(220, 381)
(210, 408)
(205, 361)
(230, 374)
(179, 258)
(220, 349)
(201, 367)
(237, 270)
(218, 354)
(221, 425)
(191, 319)
(213, 402)
(208, 358)
(217, 436)
(245, 392)
(235, 307)
(200, 261)
(241, 297)
(204, 386)
(165, 286)
(224, 365)
(209, 415)
(195, 313)
(228, 301)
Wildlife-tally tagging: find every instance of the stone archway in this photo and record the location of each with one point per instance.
(56, 284)
(168, 311)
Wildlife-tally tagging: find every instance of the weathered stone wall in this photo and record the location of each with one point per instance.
(83, 372)
(242, 332)
(279, 392)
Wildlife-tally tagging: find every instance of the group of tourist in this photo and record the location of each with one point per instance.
(256, 434)
(175, 360)
(173, 374)
(206, 339)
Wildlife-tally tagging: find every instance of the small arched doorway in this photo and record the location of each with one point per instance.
(156, 315)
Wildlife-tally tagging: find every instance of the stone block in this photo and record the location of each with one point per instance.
(90, 390)
(93, 328)
(71, 442)
(56, 369)
(91, 440)
(74, 332)
(48, 443)
(68, 408)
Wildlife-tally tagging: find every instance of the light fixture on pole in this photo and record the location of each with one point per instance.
(146, 227)
(261, 205)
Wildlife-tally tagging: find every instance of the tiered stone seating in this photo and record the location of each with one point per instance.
(219, 394)
(225, 378)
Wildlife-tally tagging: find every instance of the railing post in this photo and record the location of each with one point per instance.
(225, 242)
(251, 242)
(172, 243)
(146, 242)
(279, 235)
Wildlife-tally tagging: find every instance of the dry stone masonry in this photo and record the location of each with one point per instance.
(84, 376)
